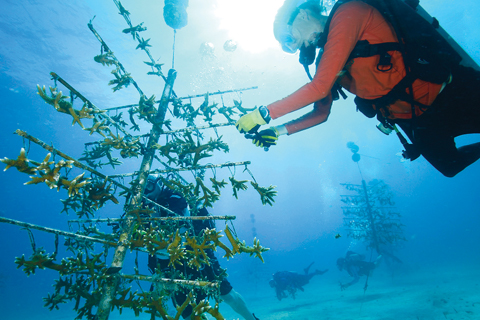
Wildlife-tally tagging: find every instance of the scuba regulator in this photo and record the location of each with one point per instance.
(307, 57)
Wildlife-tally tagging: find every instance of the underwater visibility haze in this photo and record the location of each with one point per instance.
(301, 199)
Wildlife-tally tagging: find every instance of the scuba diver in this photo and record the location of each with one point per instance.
(175, 202)
(396, 63)
(356, 266)
(291, 281)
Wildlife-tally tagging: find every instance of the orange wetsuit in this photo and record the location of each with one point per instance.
(352, 22)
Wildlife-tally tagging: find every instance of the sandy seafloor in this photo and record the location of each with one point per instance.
(407, 293)
(437, 293)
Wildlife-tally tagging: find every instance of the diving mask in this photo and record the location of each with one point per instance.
(153, 186)
(287, 40)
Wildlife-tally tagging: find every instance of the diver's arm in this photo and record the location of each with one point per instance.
(348, 284)
(279, 293)
(354, 273)
(319, 114)
(356, 278)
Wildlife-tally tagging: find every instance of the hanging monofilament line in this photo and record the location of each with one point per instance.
(359, 170)
(173, 48)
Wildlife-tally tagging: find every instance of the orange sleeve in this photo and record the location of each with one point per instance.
(346, 28)
(319, 114)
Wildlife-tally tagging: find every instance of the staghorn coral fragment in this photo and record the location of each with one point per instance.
(184, 305)
(131, 302)
(266, 194)
(57, 100)
(116, 141)
(98, 127)
(106, 59)
(208, 111)
(155, 73)
(137, 240)
(47, 175)
(143, 44)
(121, 81)
(214, 236)
(157, 305)
(197, 252)
(51, 179)
(157, 66)
(176, 250)
(134, 30)
(217, 185)
(88, 112)
(256, 250)
(129, 148)
(21, 163)
(39, 260)
(45, 164)
(208, 198)
(146, 108)
(238, 106)
(204, 306)
(100, 194)
(154, 241)
(71, 203)
(52, 301)
(76, 184)
(177, 186)
(124, 12)
(215, 312)
(227, 112)
(233, 241)
(64, 283)
(238, 185)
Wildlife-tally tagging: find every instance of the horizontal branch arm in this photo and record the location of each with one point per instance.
(55, 231)
(208, 166)
(156, 219)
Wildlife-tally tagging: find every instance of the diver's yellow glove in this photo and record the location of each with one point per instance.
(252, 121)
(266, 138)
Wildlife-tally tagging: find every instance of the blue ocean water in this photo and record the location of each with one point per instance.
(441, 215)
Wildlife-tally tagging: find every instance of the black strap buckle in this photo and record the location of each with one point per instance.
(385, 62)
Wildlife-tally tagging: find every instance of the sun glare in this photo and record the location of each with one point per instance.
(249, 22)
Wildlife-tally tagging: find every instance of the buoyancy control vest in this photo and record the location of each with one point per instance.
(426, 54)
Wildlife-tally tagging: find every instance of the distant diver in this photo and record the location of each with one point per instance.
(356, 266)
(286, 282)
(419, 83)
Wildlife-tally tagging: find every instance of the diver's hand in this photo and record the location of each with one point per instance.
(266, 138)
(252, 121)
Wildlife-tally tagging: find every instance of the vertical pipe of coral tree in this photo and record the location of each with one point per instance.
(370, 217)
(110, 287)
